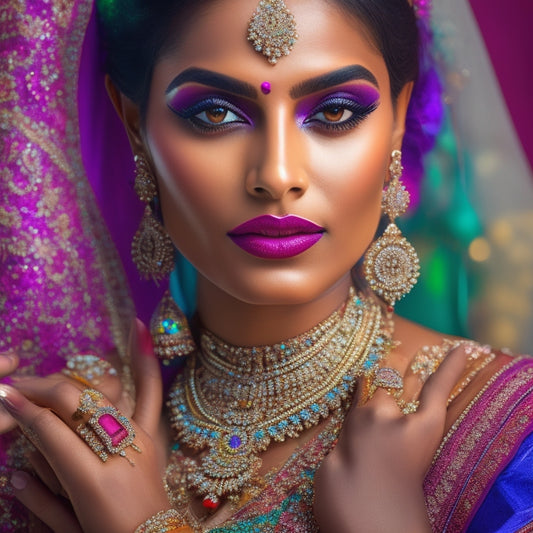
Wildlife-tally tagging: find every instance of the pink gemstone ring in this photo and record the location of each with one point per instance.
(107, 431)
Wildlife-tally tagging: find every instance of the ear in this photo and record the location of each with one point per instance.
(128, 113)
(402, 103)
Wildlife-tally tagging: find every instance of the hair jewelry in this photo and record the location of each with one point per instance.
(170, 331)
(152, 250)
(272, 30)
(391, 265)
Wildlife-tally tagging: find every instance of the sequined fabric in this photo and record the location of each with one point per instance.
(61, 285)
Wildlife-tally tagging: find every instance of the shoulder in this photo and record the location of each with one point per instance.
(487, 368)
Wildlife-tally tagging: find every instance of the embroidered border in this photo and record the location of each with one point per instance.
(479, 446)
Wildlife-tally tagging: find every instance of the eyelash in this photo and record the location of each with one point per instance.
(359, 113)
(191, 115)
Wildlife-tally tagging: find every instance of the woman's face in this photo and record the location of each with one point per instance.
(317, 147)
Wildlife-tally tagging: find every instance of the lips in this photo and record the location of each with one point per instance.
(272, 237)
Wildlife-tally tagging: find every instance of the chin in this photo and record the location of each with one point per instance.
(283, 286)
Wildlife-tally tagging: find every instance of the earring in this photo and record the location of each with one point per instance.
(152, 250)
(170, 331)
(391, 265)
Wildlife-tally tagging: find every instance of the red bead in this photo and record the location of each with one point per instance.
(390, 309)
(210, 504)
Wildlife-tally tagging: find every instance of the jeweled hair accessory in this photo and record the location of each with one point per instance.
(272, 30)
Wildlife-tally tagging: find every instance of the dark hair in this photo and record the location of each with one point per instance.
(392, 28)
(135, 33)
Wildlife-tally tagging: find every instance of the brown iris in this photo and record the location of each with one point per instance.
(334, 114)
(216, 114)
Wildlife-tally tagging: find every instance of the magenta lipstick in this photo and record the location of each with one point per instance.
(272, 237)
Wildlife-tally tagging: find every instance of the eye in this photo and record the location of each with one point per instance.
(334, 114)
(339, 113)
(218, 115)
(211, 115)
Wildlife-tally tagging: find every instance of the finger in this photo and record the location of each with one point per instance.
(53, 510)
(440, 384)
(7, 423)
(147, 377)
(101, 376)
(95, 372)
(45, 472)
(8, 363)
(61, 447)
(60, 395)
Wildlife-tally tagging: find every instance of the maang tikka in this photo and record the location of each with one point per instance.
(272, 30)
(391, 266)
(152, 250)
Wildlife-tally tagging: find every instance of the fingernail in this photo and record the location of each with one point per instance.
(19, 480)
(4, 399)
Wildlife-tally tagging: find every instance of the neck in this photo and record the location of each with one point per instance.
(248, 324)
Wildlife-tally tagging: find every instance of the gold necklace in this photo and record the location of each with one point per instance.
(234, 401)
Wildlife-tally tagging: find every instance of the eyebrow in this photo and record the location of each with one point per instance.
(342, 75)
(213, 79)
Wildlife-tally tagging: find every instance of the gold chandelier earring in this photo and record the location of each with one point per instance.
(391, 266)
(152, 250)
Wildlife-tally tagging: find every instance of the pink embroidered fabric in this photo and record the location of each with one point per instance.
(62, 288)
(478, 447)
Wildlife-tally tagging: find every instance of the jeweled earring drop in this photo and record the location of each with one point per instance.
(391, 266)
(272, 30)
(152, 249)
(170, 331)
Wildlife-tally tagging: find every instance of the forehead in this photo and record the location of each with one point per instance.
(215, 37)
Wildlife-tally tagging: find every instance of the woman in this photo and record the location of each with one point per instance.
(271, 174)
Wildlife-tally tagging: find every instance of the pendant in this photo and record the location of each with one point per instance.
(227, 469)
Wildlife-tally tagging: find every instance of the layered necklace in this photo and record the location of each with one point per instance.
(232, 402)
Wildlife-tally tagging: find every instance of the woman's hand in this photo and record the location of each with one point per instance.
(111, 496)
(8, 364)
(372, 481)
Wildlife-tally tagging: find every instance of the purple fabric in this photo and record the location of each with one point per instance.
(61, 283)
(108, 162)
(509, 503)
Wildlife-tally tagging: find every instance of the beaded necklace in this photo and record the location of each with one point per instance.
(234, 401)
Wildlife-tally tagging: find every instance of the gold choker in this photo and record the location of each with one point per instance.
(235, 401)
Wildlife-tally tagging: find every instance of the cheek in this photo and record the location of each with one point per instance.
(192, 180)
(352, 173)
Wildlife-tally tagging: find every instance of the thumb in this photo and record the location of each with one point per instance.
(147, 376)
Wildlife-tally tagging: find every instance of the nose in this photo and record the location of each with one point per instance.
(278, 169)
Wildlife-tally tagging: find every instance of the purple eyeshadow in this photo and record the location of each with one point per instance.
(363, 96)
(185, 98)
